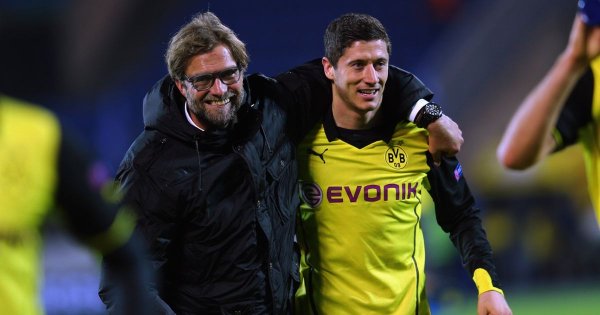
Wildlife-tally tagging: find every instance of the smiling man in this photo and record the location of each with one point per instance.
(364, 251)
(219, 108)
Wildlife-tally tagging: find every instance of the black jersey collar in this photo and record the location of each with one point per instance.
(332, 132)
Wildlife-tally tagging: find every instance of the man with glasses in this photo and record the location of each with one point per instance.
(213, 175)
(204, 82)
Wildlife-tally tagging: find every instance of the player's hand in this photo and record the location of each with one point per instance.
(584, 42)
(492, 303)
(445, 138)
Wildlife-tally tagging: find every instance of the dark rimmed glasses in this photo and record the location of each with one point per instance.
(204, 82)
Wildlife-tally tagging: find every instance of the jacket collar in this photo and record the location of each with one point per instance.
(164, 111)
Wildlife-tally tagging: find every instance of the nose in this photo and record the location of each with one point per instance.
(218, 87)
(370, 74)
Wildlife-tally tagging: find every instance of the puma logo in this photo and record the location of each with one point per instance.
(320, 155)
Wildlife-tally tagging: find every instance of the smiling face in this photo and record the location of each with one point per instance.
(218, 105)
(358, 82)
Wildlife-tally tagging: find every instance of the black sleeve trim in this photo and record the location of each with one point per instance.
(402, 90)
(577, 111)
(311, 95)
(458, 215)
(78, 194)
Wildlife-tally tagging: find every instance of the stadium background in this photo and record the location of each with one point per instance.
(92, 61)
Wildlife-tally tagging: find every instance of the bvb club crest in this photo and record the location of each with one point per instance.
(396, 157)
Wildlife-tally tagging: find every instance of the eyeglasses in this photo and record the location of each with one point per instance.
(204, 82)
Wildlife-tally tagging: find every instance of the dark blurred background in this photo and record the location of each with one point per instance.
(92, 62)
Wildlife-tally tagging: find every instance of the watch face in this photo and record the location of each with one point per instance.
(433, 110)
(430, 113)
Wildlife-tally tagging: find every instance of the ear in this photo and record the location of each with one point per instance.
(181, 87)
(328, 68)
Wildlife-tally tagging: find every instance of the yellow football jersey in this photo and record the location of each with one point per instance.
(590, 137)
(360, 224)
(29, 140)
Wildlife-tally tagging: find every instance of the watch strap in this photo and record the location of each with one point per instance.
(428, 114)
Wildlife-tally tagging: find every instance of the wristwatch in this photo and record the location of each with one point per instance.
(428, 114)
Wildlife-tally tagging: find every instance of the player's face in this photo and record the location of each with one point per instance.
(360, 75)
(215, 106)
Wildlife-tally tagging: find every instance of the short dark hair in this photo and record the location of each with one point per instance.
(351, 27)
(202, 34)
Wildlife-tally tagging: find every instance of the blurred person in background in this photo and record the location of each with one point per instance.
(363, 248)
(43, 169)
(563, 109)
(213, 176)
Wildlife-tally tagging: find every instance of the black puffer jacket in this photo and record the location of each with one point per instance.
(210, 203)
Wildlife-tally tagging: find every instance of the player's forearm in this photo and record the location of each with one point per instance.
(528, 137)
(470, 239)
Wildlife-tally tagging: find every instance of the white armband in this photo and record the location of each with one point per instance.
(416, 108)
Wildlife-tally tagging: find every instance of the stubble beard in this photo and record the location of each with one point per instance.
(219, 116)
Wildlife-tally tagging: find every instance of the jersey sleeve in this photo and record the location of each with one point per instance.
(85, 202)
(457, 214)
(402, 90)
(577, 111)
(310, 93)
(102, 223)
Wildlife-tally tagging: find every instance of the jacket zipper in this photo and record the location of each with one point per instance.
(199, 164)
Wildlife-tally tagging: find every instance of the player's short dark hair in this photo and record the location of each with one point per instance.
(349, 28)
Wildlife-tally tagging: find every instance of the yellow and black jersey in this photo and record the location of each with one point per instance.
(39, 170)
(578, 123)
(29, 142)
(363, 248)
